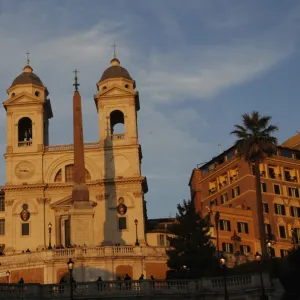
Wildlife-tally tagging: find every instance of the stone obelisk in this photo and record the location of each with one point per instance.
(81, 213)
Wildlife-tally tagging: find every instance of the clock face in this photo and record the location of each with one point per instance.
(24, 169)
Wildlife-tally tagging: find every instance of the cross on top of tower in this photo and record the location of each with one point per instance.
(114, 46)
(28, 61)
(76, 84)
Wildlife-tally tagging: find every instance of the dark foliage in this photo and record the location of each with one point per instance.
(191, 252)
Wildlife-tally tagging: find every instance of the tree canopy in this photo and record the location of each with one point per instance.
(191, 247)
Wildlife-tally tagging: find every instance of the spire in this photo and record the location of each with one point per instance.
(76, 84)
(80, 193)
(27, 68)
(115, 61)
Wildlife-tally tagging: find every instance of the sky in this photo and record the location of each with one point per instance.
(198, 65)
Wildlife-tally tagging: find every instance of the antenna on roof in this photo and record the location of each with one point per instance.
(220, 148)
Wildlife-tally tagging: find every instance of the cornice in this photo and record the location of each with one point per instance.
(100, 183)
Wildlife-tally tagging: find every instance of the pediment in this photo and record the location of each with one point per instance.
(23, 98)
(64, 202)
(117, 91)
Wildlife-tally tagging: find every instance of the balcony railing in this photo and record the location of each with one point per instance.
(212, 288)
(24, 143)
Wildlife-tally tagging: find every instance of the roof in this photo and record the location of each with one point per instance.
(115, 71)
(27, 77)
(159, 225)
(293, 142)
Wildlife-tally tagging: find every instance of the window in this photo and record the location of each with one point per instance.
(235, 192)
(224, 198)
(58, 176)
(297, 155)
(271, 172)
(227, 247)
(2, 203)
(69, 174)
(243, 227)
(25, 228)
(268, 229)
(263, 187)
(279, 209)
(245, 249)
(2, 226)
(122, 223)
(225, 225)
(286, 153)
(287, 175)
(161, 240)
(295, 211)
(282, 233)
(293, 192)
(230, 155)
(266, 208)
(277, 189)
(284, 252)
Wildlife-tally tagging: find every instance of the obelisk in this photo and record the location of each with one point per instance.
(81, 213)
(80, 192)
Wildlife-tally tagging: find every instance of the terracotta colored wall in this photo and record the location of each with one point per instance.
(35, 275)
(158, 270)
(122, 270)
(61, 272)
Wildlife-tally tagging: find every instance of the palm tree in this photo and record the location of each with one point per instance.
(255, 143)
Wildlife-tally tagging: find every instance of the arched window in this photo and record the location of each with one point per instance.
(69, 174)
(117, 122)
(25, 132)
(58, 177)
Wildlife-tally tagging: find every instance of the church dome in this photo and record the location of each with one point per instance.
(115, 71)
(27, 77)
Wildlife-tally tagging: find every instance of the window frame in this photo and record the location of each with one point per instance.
(119, 223)
(23, 224)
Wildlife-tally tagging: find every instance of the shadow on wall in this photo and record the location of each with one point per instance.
(85, 273)
(115, 209)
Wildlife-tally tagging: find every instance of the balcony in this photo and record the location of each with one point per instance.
(212, 191)
(24, 143)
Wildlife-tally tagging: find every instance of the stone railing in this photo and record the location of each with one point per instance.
(24, 143)
(246, 287)
(80, 252)
(70, 147)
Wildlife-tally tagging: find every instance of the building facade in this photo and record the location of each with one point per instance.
(225, 188)
(36, 200)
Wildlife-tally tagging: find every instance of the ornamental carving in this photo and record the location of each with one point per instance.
(137, 194)
(102, 197)
(41, 200)
(9, 202)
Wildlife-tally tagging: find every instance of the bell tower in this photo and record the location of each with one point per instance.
(117, 104)
(27, 127)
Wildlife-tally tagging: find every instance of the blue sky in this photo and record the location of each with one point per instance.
(198, 66)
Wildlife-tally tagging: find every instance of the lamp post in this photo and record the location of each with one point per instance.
(269, 246)
(223, 265)
(70, 264)
(263, 295)
(8, 276)
(136, 232)
(50, 229)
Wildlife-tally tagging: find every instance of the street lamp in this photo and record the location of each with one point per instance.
(7, 276)
(70, 264)
(50, 229)
(136, 232)
(263, 295)
(223, 265)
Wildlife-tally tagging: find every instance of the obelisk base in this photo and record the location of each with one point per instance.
(82, 225)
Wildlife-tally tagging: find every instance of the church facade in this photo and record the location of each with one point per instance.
(40, 179)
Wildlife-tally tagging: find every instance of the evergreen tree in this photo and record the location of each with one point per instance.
(191, 247)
